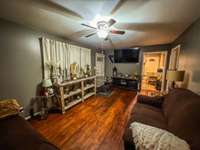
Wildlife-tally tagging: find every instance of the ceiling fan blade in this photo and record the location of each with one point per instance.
(83, 24)
(117, 32)
(80, 33)
(54, 7)
(90, 34)
(118, 5)
(111, 22)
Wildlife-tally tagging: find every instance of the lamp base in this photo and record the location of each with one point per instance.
(173, 85)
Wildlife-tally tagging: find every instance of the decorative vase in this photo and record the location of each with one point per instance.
(114, 71)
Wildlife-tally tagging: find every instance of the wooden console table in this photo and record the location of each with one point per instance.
(127, 83)
(73, 92)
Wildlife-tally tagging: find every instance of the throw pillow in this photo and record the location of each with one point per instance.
(9, 107)
(147, 137)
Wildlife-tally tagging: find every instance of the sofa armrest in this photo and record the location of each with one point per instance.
(155, 101)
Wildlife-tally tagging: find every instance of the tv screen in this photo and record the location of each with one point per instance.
(126, 55)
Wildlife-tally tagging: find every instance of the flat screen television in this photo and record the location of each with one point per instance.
(126, 55)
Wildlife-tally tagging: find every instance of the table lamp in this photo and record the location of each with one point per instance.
(46, 83)
(174, 76)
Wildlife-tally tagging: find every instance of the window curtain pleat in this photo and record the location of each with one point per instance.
(85, 58)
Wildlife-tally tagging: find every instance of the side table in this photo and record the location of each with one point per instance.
(45, 109)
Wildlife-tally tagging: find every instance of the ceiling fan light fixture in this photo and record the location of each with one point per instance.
(102, 34)
(98, 18)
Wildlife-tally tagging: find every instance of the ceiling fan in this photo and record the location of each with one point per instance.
(103, 28)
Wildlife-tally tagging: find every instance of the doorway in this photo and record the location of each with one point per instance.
(100, 69)
(153, 72)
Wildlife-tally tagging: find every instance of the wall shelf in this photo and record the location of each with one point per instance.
(84, 88)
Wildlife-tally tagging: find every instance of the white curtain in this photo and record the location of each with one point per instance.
(61, 55)
(74, 55)
(55, 54)
(85, 57)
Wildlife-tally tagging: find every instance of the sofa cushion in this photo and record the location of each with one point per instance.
(155, 101)
(149, 115)
(174, 99)
(185, 119)
(145, 114)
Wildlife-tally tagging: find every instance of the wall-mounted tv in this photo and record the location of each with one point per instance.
(126, 55)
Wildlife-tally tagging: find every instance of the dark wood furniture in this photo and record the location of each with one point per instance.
(127, 83)
(45, 109)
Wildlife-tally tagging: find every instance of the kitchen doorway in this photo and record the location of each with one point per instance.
(153, 72)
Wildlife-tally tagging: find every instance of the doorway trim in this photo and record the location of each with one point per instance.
(173, 60)
(165, 52)
(174, 57)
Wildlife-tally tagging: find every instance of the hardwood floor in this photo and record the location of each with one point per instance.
(96, 124)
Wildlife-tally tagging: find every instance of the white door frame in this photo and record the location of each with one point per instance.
(100, 77)
(174, 57)
(165, 52)
(174, 60)
(103, 57)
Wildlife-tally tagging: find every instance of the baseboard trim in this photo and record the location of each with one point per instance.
(35, 114)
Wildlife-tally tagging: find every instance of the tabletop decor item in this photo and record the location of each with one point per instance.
(74, 71)
(88, 70)
(82, 72)
(114, 71)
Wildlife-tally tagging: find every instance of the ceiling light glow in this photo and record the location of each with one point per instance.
(102, 33)
(98, 18)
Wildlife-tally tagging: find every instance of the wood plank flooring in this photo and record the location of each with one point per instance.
(96, 124)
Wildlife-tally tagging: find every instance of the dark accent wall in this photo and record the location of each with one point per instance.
(190, 56)
(21, 62)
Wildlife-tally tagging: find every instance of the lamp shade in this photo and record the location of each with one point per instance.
(46, 83)
(175, 75)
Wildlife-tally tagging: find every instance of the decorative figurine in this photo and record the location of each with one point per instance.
(114, 71)
(82, 72)
(73, 71)
(88, 70)
(94, 71)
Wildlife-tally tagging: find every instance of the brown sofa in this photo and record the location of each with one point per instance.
(178, 112)
(17, 134)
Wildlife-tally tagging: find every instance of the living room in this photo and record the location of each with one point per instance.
(99, 74)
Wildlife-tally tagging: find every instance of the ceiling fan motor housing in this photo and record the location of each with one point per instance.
(102, 25)
(102, 29)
